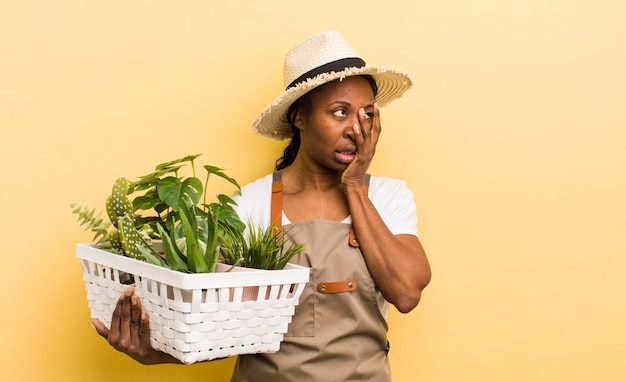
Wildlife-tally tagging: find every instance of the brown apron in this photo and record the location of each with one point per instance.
(337, 333)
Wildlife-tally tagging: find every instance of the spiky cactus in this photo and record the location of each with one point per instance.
(117, 204)
(122, 216)
(130, 238)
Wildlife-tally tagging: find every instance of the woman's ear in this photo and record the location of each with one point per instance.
(298, 120)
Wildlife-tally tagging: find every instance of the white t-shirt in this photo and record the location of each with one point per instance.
(391, 197)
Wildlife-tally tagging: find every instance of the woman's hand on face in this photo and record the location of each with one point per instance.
(366, 133)
(130, 331)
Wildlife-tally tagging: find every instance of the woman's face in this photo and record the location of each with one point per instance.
(326, 127)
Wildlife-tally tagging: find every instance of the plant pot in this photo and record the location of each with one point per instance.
(197, 317)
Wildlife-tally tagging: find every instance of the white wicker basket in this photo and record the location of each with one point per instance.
(197, 317)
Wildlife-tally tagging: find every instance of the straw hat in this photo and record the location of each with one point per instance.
(319, 59)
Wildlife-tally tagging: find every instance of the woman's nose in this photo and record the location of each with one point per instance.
(350, 125)
(348, 131)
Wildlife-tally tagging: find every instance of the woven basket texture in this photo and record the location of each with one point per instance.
(197, 317)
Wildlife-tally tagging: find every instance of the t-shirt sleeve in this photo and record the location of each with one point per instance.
(395, 204)
(253, 204)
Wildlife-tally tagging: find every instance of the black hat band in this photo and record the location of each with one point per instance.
(334, 66)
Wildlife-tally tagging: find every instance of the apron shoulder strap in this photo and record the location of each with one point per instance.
(276, 212)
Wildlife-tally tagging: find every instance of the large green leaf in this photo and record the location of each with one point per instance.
(172, 254)
(195, 258)
(212, 233)
(171, 190)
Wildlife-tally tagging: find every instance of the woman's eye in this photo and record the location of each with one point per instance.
(340, 113)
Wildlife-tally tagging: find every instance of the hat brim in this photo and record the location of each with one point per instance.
(272, 121)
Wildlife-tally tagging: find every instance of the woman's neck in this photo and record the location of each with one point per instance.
(299, 177)
(313, 195)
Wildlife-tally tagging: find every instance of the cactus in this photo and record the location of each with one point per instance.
(131, 240)
(117, 204)
(116, 241)
(122, 215)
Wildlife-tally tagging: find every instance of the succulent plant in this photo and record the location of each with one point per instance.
(104, 234)
(262, 249)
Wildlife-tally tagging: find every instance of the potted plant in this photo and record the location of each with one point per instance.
(164, 239)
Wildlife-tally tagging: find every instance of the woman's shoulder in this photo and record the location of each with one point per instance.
(253, 203)
(386, 184)
(257, 186)
(254, 196)
(389, 193)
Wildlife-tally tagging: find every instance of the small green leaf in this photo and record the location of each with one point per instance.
(219, 172)
(226, 200)
(145, 202)
(150, 180)
(149, 257)
(188, 158)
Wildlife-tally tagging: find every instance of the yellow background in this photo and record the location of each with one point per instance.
(513, 141)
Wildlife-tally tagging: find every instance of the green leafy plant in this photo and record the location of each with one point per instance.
(188, 231)
(163, 218)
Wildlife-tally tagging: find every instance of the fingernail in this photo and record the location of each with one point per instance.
(133, 300)
(357, 129)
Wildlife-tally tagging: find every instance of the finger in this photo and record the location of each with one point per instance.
(358, 136)
(375, 127)
(114, 333)
(144, 331)
(135, 319)
(125, 317)
(376, 121)
(366, 123)
(100, 328)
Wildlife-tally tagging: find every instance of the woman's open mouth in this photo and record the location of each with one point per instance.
(345, 156)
